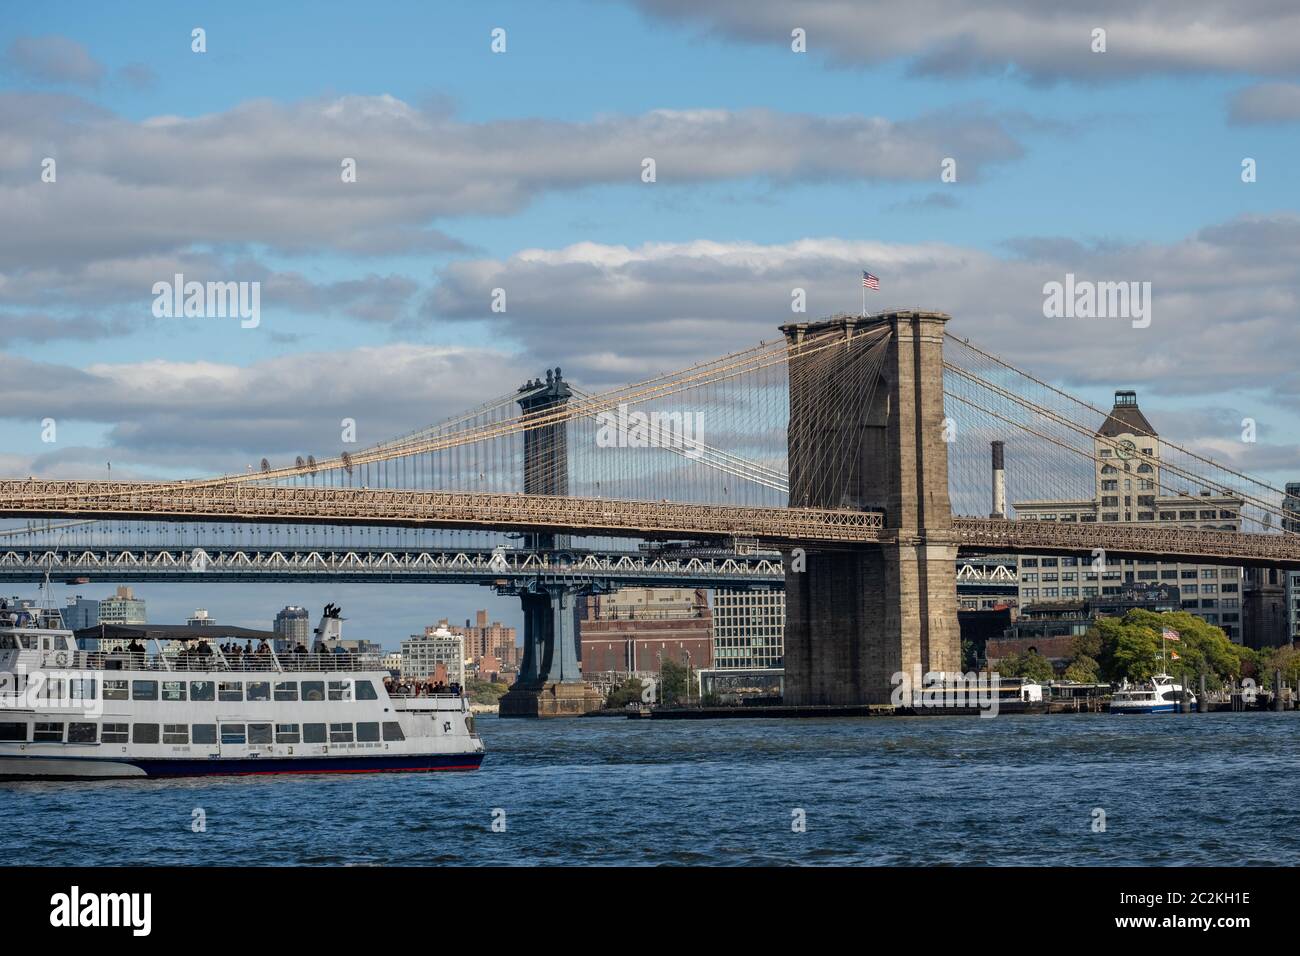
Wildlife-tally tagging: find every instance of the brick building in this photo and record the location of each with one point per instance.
(633, 629)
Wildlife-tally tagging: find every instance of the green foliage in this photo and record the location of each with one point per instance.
(628, 692)
(1286, 659)
(1029, 664)
(1086, 645)
(969, 656)
(1129, 648)
(484, 692)
(672, 682)
(1083, 670)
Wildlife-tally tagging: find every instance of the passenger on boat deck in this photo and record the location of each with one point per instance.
(248, 647)
(263, 648)
(204, 650)
(300, 649)
(134, 647)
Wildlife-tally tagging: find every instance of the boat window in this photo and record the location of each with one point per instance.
(313, 690)
(204, 734)
(286, 734)
(48, 732)
(393, 730)
(259, 733)
(286, 690)
(176, 733)
(366, 690)
(13, 730)
(29, 642)
(82, 688)
(53, 689)
(232, 733)
(7, 642)
(83, 733)
(202, 690)
(144, 733)
(340, 690)
(113, 734)
(230, 690)
(339, 733)
(368, 733)
(259, 690)
(173, 690)
(144, 690)
(313, 733)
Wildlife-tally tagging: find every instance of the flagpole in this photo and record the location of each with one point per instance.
(864, 296)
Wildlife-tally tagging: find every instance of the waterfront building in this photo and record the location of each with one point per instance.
(423, 654)
(393, 663)
(80, 612)
(748, 630)
(200, 618)
(1127, 456)
(632, 630)
(292, 626)
(1050, 627)
(122, 608)
(483, 638)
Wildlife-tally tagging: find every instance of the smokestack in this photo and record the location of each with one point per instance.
(999, 482)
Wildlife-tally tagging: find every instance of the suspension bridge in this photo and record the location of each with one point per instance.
(857, 446)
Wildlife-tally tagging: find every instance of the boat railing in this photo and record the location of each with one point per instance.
(423, 695)
(216, 661)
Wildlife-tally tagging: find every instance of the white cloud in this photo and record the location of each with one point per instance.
(1040, 41)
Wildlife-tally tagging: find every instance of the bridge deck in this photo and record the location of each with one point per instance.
(778, 527)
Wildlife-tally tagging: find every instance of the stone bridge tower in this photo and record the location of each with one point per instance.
(855, 619)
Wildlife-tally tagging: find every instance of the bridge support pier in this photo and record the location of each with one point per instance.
(550, 683)
(857, 619)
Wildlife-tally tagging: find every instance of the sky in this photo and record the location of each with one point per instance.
(522, 167)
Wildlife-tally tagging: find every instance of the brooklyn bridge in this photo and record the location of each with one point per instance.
(848, 461)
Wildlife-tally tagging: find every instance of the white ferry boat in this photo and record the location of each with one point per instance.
(1161, 696)
(139, 712)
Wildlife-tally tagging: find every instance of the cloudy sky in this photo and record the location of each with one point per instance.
(774, 169)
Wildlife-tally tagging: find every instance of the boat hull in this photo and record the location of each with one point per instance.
(1151, 709)
(92, 768)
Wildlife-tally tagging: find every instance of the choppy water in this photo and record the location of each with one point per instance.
(1196, 789)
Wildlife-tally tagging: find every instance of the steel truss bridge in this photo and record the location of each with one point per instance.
(505, 568)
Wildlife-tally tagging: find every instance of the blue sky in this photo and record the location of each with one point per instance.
(1119, 165)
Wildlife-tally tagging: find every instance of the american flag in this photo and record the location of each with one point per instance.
(870, 282)
(1169, 635)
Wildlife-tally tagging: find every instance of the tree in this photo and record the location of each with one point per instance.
(629, 692)
(483, 692)
(1130, 647)
(1030, 665)
(1083, 670)
(672, 682)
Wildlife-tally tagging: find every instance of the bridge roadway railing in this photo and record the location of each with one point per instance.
(1126, 540)
(600, 516)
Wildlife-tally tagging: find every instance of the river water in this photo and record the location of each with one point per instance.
(1194, 789)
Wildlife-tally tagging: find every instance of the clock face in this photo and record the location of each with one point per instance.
(1126, 449)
